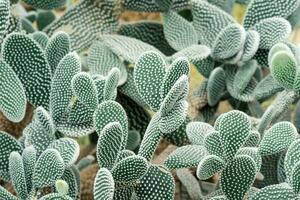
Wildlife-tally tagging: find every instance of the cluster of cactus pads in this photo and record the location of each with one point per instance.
(125, 87)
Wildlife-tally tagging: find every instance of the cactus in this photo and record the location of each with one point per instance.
(126, 85)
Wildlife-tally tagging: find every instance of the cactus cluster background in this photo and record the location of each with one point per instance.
(149, 100)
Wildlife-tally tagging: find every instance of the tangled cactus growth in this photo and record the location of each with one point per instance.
(119, 98)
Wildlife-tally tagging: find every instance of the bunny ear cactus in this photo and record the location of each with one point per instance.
(260, 10)
(110, 144)
(13, 99)
(277, 138)
(184, 157)
(238, 176)
(111, 111)
(268, 30)
(5, 12)
(228, 42)
(217, 20)
(284, 67)
(85, 90)
(68, 149)
(185, 34)
(233, 123)
(41, 38)
(48, 168)
(46, 4)
(101, 60)
(130, 169)
(23, 55)
(149, 32)
(17, 174)
(40, 132)
(167, 91)
(87, 22)
(163, 189)
(61, 91)
(57, 47)
(8, 145)
(104, 185)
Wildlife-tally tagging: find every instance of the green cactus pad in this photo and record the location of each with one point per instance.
(46, 4)
(272, 31)
(253, 152)
(81, 19)
(48, 168)
(244, 75)
(267, 87)
(29, 156)
(216, 86)
(127, 48)
(209, 166)
(179, 67)
(185, 157)
(238, 176)
(42, 117)
(41, 38)
(259, 10)
(8, 145)
(163, 189)
(101, 60)
(205, 66)
(70, 179)
(61, 92)
(194, 53)
(5, 12)
(197, 131)
(4, 194)
(24, 55)
(165, 5)
(150, 66)
(175, 118)
(175, 96)
(78, 112)
(278, 191)
(212, 143)
(292, 158)
(295, 182)
(151, 139)
(55, 196)
(111, 83)
(134, 140)
(57, 47)
(253, 139)
(209, 17)
(150, 32)
(123, 193)
(234, 129)
(111, 111)
(277, 138)
(37, 136)
(124, 154)
(251, 45)
(247, 94)
(13, 98)
(185, 34)
(109, 144)
(229, 42)
(68, 149)
(130, 169)
(156, 5)
(85, 90)
(17, 174)
(277, 48)
(104, 185)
